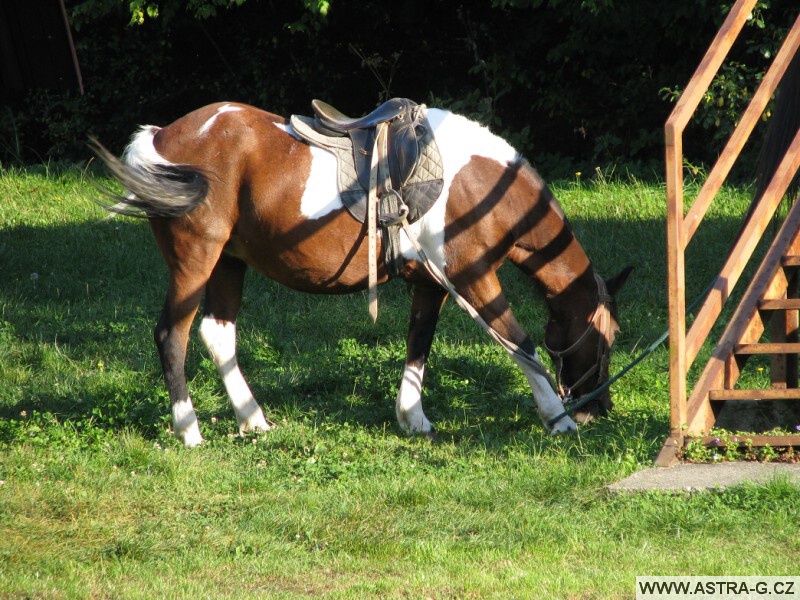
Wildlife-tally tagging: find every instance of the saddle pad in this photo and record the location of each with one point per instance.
(419, 191)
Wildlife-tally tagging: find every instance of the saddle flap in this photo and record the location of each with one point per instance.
(403, 150)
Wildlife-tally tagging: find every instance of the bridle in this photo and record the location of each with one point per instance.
(600, 321)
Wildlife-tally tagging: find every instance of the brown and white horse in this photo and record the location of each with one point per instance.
(229, 186)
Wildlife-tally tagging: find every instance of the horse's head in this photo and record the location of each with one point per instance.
(580, 347)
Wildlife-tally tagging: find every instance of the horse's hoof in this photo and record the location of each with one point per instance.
(256, 425)
(191, 440)
(190, 436)
(428, 433)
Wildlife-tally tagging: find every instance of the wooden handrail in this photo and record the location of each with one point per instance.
(741, 253)
(704, 74)
(742, 133)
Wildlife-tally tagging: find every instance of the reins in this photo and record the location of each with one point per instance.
(442, 279)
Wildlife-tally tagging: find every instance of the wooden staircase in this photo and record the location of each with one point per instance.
(770, 306)
(766, 320)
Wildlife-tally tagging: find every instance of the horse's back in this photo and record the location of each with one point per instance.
(198, 136)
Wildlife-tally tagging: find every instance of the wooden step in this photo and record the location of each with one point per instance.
(767, 394)
(771, 348)
(791, 261)
(780, 304)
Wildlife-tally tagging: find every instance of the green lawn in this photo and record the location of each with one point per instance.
(98, 500)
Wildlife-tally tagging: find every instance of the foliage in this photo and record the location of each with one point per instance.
(85, 11)
(737, 446)
(738, 78)
(567, 82)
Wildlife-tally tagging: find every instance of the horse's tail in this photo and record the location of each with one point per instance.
(154, 186)
(782, 128)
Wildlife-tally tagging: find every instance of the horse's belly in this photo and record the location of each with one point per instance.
(320, 256)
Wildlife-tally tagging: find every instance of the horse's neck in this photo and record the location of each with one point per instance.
(562, 268)
(575, 298)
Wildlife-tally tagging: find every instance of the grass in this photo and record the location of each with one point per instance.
(97, 499)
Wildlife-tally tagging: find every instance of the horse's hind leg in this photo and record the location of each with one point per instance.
(172, 336)
(218, 332)
(190, 260)
(425, 308)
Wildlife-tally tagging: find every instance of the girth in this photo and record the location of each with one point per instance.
(415, 173)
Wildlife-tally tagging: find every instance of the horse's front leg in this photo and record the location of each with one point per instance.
(425, 308)
(484, 293)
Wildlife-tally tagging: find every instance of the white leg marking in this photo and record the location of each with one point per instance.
(220, 339)
(408, 407)
(184, 423)
(547, 401)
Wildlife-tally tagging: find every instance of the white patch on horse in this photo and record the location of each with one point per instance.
(458, 139)
(547, 401)
(210, 122)
(408, 407)
(184, 423)
(321, 194)
(220, 339)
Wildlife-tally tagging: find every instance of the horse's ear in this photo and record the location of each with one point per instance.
(615, 283)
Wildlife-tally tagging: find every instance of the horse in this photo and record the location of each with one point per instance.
(231, 186)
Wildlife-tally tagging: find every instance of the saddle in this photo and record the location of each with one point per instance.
(415, 167)
(401, 114)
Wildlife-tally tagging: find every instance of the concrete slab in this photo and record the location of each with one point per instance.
(695, 477)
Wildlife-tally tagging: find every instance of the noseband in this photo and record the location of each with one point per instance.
(599, 322)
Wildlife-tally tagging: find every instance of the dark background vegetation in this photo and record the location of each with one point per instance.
(574, 84)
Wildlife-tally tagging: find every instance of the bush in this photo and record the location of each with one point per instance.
(565, 81)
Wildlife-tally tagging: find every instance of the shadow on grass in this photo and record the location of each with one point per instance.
(78, 304)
